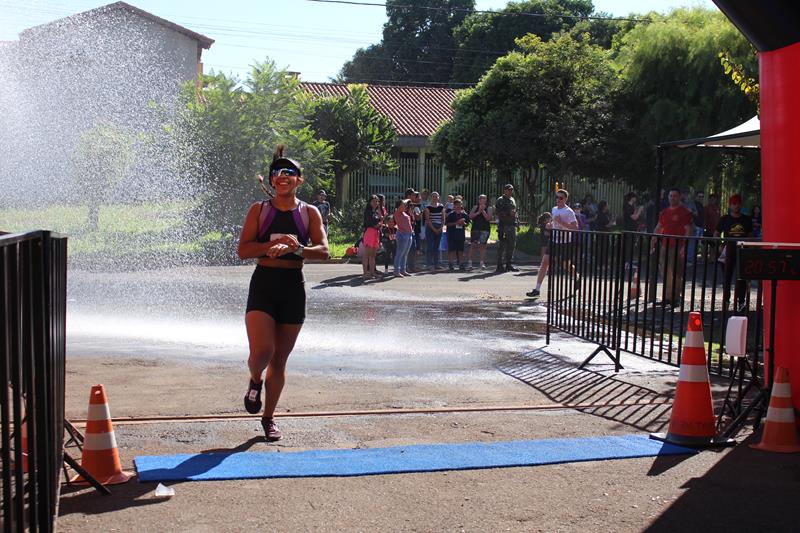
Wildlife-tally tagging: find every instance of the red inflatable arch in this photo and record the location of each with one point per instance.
(773, 26)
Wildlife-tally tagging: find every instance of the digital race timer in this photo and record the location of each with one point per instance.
(768, 264)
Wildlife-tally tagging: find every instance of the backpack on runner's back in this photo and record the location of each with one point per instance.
(300, 216)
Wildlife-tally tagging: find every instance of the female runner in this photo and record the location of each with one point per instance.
(274, 233)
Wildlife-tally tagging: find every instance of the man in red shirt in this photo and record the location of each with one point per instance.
(673, 220)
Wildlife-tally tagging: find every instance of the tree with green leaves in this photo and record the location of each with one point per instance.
(547, 107)
(417, 44)
(483, 37)
(102, 159)
(233, 127)
(359, 134)
(673, 88)
(605, 30)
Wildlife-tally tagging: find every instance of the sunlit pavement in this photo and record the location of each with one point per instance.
(172, 343)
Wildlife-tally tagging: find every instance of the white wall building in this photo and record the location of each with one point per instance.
(110, 65)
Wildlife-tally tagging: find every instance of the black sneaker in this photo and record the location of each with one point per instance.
(271, 431)
(511, 268)
(252, 400)
(533, 293)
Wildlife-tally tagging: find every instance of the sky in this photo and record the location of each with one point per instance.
(312, 38)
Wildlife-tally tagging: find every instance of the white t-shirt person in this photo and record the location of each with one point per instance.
(564, 219)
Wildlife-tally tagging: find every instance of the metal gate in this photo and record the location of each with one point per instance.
(632, 292)
(33, 276)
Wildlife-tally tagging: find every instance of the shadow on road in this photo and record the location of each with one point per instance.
(747, 490)
(85, 500)
(562, 382)
(350, 280)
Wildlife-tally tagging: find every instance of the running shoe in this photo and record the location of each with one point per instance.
(511, 268)
(533, 293)
(271, 431)
(252, 400)
(483, 266)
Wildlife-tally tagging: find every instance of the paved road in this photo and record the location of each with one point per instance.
(172, 343)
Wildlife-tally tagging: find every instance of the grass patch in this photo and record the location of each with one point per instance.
(339, 241)
(151, 217)
(528, 240)
(123, 229)
(337, 249)
(159, 227)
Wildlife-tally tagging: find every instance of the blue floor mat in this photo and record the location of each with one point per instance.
(398, 459)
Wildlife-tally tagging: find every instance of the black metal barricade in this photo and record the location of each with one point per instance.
(33, 285)
(632, 292)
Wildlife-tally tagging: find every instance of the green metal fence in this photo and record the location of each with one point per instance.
(476, 182)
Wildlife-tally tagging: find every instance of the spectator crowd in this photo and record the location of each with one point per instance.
(423, 232)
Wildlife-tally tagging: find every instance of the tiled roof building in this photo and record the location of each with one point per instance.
(415, 111)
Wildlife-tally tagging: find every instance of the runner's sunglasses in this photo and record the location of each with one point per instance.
(288, 171)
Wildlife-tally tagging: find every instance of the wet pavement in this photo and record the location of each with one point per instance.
(400, 326)
(172, 342)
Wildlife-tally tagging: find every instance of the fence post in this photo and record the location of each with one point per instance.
(33, 303)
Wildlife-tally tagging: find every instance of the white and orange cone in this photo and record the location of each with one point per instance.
(633, 290)
(692, 421)
(780, 431)
(100, 454)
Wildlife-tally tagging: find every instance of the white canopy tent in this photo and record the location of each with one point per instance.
(745, 135)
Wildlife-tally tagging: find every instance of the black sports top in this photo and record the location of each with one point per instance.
(283, 222)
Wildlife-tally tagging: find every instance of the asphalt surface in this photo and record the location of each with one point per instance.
(172, 343)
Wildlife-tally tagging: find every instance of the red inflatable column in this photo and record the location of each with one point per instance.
(780, 188)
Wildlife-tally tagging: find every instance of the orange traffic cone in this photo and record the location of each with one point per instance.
(633, 290)
(100, 454)
(780, 431)
(692, 421)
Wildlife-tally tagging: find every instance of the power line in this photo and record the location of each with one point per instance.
(312, 38)
(361, 80)
(488, 12)
(226, 31)
(229, 31)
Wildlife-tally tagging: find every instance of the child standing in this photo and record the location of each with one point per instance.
(457, 221)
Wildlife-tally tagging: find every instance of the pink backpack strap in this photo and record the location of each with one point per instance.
(265, 218)
(300, 216)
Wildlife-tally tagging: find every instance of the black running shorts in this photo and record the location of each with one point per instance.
(279, 292)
